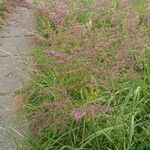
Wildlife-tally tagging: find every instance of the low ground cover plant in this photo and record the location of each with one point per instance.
(2, 12)
(91, 81)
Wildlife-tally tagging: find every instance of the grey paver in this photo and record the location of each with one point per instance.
(13, 46)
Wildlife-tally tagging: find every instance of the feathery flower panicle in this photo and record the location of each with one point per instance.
(146, 16)
(33, 40)
(55, 115)
(78, 30)
(90, 111)
(21, 3)
(58, 113)
(62, 57)
(20, 17)
(78, 114)
(58, 15)
(43, 10)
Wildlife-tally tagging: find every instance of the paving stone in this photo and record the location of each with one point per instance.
(13, 46)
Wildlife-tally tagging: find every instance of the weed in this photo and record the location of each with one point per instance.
(2, 12)
(91, 87)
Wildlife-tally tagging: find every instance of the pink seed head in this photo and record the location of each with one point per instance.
(78, 114)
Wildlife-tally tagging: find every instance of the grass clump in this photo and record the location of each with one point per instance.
(90, 86)
(2, 11)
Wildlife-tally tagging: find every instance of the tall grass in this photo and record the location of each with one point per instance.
(91, 77)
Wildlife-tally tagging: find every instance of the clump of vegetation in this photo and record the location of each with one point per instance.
(2, 12)
(8, 5)
(91, 79)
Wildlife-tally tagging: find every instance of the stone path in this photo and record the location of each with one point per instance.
(13, 45)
